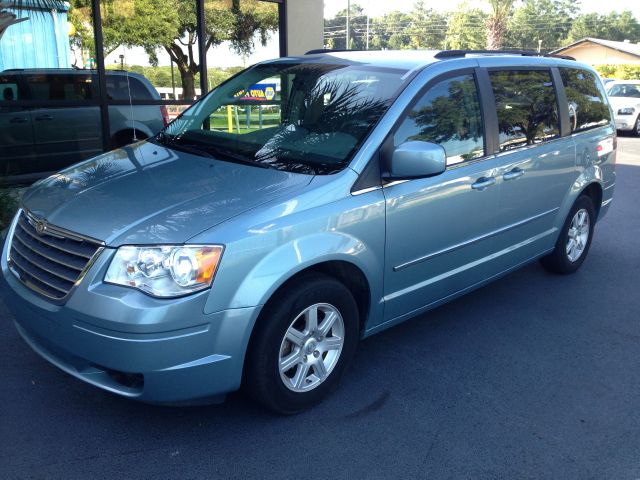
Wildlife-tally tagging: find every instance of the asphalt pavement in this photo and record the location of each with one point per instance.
(534, 376)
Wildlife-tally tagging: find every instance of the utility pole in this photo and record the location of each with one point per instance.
(348, 12)
(367, 47)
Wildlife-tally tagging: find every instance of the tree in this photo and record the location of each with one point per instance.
(336, 29)
(389, 31)
(427, 28)
(613, 26)
(496, 22)
(541, 23)
(171, 26)
(466, 29)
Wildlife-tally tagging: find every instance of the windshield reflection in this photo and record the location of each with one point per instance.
(299, 117)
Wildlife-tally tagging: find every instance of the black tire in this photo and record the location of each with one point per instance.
(636, 127)
(559, 261)
(262, 377)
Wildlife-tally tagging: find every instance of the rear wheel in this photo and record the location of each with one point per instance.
(302, 344)
(636, 127)
(575, 238)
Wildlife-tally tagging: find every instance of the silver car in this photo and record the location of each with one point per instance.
(624, 96)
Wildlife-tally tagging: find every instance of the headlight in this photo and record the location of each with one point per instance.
(165, 271)
(626, 111)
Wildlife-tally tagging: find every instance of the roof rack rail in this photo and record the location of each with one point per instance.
(329, 50)
(525, 53)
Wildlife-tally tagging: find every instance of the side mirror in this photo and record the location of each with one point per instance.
(417, 159)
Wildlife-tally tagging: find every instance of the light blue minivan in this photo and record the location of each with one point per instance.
(304, 204)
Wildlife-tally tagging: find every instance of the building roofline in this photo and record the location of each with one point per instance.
(600, 42)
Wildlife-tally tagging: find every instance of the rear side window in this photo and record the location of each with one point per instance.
(118, 88)
(60, 87)
(587, 106)
(8, 89)
(449, 115)
(527, 107)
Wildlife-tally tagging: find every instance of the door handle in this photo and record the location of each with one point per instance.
(18, 120)
(513, 174)
(483, 182)
(43, 118)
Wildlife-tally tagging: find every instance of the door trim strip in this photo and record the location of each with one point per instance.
(466, 243)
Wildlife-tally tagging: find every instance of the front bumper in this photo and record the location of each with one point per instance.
(625, 122)
(157, 351)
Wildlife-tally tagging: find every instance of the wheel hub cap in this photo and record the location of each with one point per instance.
(311, 347)
(578, 235)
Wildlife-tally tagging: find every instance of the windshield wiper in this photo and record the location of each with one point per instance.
(209, 151)
(231, 156)
(189, 149)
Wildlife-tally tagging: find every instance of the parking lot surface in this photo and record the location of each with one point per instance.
(533, 376)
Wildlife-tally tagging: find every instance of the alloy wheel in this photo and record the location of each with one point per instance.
(578, 235)
(311, 347)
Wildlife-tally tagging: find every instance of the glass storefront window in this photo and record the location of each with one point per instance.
(52, 112)
(49, 108)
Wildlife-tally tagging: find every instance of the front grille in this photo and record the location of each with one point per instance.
(51, 260)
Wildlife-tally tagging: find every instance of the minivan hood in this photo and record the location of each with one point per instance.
(146, 193)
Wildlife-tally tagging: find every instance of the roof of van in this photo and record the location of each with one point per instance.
(78, 71)
(411, 59)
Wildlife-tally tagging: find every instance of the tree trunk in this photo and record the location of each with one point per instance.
(187, 68)
(496, 29)
(188, 84)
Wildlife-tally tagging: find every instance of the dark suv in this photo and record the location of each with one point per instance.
(38, 140)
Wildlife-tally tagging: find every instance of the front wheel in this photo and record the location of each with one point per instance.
(304, 340)
(575, 238)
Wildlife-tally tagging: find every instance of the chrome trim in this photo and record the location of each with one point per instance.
(467, 266)
(473, 240)
(366, 190)
(12, 229)
(16, 236)
(62, 231)
(52, 245)
(99, 247)
(395, 182)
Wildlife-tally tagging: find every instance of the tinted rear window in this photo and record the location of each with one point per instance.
(9, 88)
(527, 107)
(118, 88)
(587, 106)
(60, 87)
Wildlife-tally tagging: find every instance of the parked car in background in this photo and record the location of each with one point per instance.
(624, 96)
(377, 186)
(36, 141)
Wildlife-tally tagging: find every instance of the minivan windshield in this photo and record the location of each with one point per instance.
(300, 117)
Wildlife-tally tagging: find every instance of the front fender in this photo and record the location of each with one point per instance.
(279, 265)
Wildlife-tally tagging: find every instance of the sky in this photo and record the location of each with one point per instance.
(222, 56)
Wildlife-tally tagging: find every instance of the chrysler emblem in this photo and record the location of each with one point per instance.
(41, 227)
